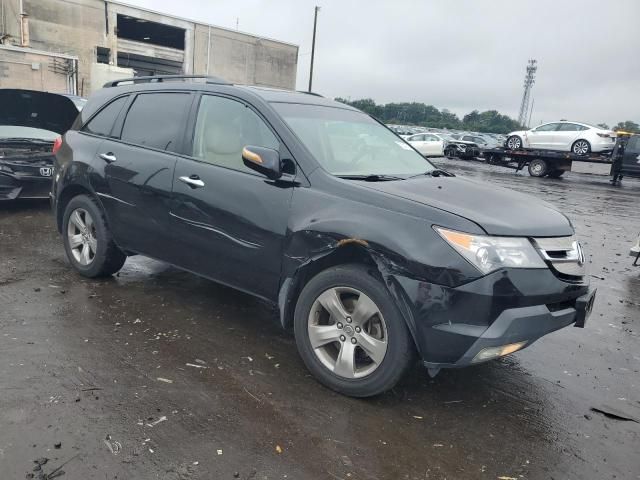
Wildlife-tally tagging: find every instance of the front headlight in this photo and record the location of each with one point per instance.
(489, 253)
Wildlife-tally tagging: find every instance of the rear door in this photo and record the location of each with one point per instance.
(542, 136)
(417, 142)
(229, 222)
(139, 162)
(565, 135)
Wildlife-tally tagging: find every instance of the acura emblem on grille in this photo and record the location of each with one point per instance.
(46, 171)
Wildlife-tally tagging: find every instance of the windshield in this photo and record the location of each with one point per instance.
(346, 142)
(10, 131)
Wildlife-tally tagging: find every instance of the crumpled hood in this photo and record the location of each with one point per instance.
(28, 108)
(498, 211)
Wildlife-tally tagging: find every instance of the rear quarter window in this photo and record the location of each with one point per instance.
(102, 123)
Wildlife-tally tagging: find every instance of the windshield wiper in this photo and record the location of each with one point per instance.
(435, 173)
(374, 177)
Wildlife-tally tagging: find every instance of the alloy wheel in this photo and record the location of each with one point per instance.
(514, 143)
(81, 235)
(581, 147)
(347, 332)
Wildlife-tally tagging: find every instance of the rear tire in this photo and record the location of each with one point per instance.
(514, 142)
(581, 147)
(538, 167)
(555, 174)
(87, 240)
(343, 339)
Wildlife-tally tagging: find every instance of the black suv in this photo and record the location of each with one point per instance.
(370, 253)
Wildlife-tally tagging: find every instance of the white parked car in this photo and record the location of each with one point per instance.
(575, 137)
(428, 144)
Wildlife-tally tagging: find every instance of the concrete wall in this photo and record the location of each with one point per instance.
(31, 71)
(241, 58)
(74, 27)
(102, 73)
(77, 27)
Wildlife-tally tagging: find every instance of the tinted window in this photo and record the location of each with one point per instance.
(633, 144)
(431, 138)
(102, 123)
(547, 128)
(224, 127)
(154, 120)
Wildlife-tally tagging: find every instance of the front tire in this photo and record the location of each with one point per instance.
(87, 240)
(581, 147)
(514, 142)
(350, 333)
(450, 152)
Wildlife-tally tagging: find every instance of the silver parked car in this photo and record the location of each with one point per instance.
(579, 138)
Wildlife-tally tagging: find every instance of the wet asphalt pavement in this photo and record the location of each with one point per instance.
(158, 374)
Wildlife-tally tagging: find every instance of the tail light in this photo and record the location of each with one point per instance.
(57, 143)
(604, 135)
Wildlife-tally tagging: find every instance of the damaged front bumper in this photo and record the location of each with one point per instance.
(492, 316)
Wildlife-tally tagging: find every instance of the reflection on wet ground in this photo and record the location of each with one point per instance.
(159, 374)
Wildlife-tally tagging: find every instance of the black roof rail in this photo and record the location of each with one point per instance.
(310, 93)
(166, 78)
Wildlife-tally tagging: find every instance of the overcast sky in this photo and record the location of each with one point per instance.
(455, 54)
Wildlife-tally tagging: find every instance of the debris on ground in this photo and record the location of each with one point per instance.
(615, 413)
(160, 420)
(114, 446)
(195, 366)
(165, 380)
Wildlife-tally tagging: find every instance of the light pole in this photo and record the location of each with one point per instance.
(313, 45)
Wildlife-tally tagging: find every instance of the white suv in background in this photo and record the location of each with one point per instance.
(575, 137)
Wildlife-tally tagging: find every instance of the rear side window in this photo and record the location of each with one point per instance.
(154, 120)
(102, 123)
(570, 127)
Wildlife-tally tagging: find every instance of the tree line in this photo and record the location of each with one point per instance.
(415, 113)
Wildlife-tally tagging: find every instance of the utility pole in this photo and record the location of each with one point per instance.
(529, 80)
(313, 46)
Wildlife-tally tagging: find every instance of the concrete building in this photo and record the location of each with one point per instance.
(75, 46)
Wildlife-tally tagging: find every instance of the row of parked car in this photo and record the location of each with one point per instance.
(565, 136)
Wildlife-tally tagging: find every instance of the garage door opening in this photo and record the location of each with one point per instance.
(144, 31)
(146, 66)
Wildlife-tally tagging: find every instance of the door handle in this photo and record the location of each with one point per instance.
(193, 181)
(108, 157)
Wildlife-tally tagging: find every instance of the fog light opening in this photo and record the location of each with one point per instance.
(495, 352)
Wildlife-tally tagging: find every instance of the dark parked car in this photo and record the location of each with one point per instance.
(30, 122)
(370, 253)
(626, 157)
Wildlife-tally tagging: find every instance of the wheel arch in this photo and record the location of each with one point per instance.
(347, 251)
(65, 196)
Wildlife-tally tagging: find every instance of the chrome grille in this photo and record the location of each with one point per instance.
(564, 254)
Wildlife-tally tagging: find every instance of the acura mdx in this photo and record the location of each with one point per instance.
(371, 254)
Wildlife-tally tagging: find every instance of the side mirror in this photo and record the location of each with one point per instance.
(263, 160)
